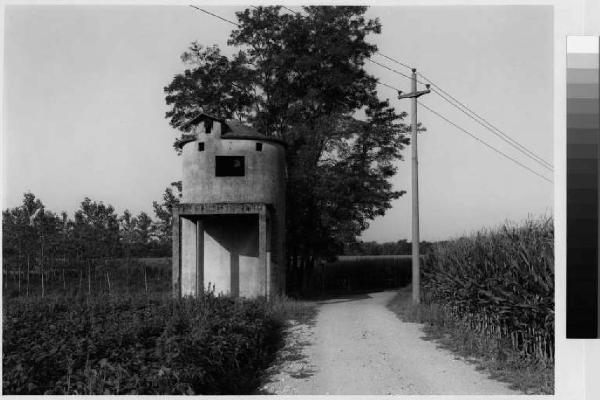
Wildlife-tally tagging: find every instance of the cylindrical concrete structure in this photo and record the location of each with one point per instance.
(264, 175)
(233, 192)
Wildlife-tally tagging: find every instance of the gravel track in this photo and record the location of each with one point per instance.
(358, 346)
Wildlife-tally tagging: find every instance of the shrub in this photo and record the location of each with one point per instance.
(137, 345)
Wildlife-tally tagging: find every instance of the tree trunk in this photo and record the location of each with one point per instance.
(27, 275)
(42, 265)
(64, 282)
(108, 281)
(89, 279)
(19, 277)
(145, 279)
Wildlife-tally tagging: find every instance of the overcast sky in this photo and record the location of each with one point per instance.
(84, 107)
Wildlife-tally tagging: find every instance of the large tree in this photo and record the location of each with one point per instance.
(162, 229)
(300, 77)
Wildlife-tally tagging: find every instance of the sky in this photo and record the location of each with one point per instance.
(83, 107)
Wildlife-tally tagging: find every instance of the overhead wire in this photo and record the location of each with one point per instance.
(471, 134)
(394, 60)
(483, 141)
(473, 115)
(215, 15)
(485, 123)
(390, 69)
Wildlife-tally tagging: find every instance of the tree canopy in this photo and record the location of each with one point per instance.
(300, 77)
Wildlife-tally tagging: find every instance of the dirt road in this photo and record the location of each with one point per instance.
(358, 346)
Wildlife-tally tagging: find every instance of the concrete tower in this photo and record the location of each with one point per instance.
(229, 230)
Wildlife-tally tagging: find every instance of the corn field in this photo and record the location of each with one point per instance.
(500, 284)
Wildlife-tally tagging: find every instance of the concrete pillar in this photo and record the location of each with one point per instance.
(188, 257)
(281, 255)
(262, 251)
(176, 255)
(268, 255)
(234, 267)
(199, 257)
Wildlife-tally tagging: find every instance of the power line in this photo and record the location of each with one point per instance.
(394, 60)
(470, 134)
(473, 115)
(215, 15)
(290, 10)
(485, 123)
(504, 137)
(388, 86)
(483, 142)
(390, 69)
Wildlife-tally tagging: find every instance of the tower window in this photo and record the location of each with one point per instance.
(208, 124)
(200, 146)
(229, 166)
(258, 146)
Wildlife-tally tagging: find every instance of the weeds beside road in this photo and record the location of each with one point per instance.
(138, 344)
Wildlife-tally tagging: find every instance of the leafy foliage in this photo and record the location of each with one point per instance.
(163, 211)
(228, 96)
(137, 345)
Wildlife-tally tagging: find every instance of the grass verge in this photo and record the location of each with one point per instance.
(490, 355)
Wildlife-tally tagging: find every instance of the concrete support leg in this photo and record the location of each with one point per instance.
(281, 255)
(234, 264)
(199, 258)
(188, 257)
(262, 251)
(176, 255)
(269, 247)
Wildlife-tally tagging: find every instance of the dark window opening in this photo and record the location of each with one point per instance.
(200, 146)
(208, 125)
(258, 146)
(229, 166)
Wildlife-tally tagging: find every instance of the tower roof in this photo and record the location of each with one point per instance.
(230, 129)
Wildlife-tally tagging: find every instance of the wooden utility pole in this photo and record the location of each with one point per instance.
(414, 94)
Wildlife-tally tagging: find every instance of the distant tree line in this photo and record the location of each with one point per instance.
(51, 246)
(387, 248)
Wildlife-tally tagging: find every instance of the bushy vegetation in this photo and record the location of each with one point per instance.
(138, 344)
(491, 295)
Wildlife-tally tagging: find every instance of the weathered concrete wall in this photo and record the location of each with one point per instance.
(264, 181)
(223, 253)
(231, 255)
